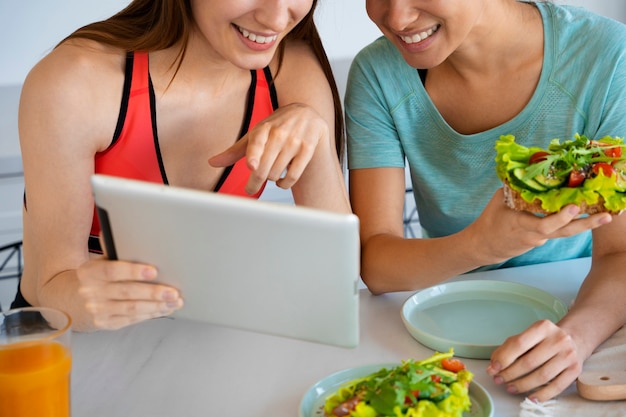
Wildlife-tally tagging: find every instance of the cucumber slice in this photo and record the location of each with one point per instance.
(549, 181)
(620, 168)
(518, 178)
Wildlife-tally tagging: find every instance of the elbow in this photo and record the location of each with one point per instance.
(374, 282)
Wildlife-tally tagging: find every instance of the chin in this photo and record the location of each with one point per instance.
(420, 61)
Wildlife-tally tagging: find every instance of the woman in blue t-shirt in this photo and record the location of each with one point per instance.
(447, 80)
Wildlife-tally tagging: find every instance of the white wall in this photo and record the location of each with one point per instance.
(29, 29)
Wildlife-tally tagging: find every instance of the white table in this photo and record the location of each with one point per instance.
(168, 367)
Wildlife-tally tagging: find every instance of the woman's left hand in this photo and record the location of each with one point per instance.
(544, 358)
(279, 147)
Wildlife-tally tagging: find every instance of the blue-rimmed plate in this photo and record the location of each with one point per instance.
(312, 404)
(475, 317)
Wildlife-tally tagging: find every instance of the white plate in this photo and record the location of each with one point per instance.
(475, 317)
(312, 404)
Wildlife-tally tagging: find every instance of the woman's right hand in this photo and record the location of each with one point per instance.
(118, 293)
(280, 147)
(504, 233)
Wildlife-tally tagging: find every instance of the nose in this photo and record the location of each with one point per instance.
(401, 14)
(276, 15)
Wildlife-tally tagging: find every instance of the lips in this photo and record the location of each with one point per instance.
(420, 36)
(256, 37)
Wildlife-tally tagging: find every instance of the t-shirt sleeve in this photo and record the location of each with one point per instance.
(613, 118)
(372, 136)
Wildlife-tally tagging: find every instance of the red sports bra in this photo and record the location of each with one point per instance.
(134, 152)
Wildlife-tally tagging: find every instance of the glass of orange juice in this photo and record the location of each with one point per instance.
(35, 363)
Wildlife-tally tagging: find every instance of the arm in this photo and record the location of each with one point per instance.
(68, 112)
(550, 357)
(391, 262)
(298, 137)
(322, 184)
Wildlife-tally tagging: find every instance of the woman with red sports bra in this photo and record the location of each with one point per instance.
(204, 94)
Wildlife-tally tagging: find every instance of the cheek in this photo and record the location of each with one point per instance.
(300, 8)
(373, 12)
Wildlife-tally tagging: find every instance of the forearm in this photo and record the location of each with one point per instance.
(392, 263)
(599, 308)
(322, 185)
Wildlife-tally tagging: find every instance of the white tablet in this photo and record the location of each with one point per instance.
(255, 265)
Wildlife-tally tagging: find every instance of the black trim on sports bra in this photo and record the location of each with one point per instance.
(270, 83)
(244, 127)
(155, 134)
(248, 115)
(128, 79)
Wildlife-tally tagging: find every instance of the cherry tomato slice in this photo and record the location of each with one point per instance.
(611, 152)
(576, 177)
(614, 152)
(538, 157)
(452, 365)
(607, 169)
(408, 400)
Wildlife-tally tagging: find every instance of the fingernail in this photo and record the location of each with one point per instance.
(149, 273)
(253, 163)
(494, 368)
(573, 210)
(498, 380)
(511, 389)
(174, 304)
(169, 295)
(533, 399)
(605, 219)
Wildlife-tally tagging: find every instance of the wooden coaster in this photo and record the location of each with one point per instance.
(602, 386)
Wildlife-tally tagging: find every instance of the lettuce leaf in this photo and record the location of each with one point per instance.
(385, 392)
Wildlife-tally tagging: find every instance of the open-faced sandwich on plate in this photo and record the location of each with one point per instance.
(433, 387)
(588, 173)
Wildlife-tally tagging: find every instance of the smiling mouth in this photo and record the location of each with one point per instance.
(257, 38)
(418, 37)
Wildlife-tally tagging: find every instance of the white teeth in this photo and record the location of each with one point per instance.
(418, 37)
(257, 38)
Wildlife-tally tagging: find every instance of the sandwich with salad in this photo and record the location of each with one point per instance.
(588, 173)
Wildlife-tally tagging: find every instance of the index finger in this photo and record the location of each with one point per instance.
(115, 271)
(569, 221)
(230, 155)
(515, 347)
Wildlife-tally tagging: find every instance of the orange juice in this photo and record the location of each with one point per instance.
(35, 379)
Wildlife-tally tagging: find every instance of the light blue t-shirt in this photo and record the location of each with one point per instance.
(390, 118)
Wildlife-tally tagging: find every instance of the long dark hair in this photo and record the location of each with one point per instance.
(152, 25)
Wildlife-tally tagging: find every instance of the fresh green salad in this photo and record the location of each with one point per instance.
(433, 387)
(567, 172)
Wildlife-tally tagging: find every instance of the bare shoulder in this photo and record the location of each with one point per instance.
(78, 62)
(301, 79)
(79, 83)
(301, 74)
